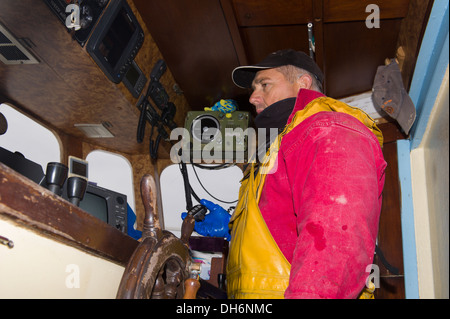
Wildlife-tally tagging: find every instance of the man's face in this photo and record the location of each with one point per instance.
(270, 86)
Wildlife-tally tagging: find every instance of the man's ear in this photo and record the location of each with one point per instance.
(305, 81)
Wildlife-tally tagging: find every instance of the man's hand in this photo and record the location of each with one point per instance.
(215, 224)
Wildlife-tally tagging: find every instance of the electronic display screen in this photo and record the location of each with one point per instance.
(132, 75)
(79, 168)
(95, 205)
(117, 38)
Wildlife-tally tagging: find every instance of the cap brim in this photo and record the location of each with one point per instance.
(243, 75)
(407, 114)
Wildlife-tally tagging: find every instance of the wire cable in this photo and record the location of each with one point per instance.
(222, 201)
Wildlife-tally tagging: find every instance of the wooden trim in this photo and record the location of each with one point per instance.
(230, 18)
(411, 34)
(253, 13)
(392, 286)
(350, 10)
(36, 208)
(318, 36)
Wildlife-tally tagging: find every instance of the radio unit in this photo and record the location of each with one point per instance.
(214, 135)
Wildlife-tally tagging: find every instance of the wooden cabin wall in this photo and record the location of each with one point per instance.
(141, 163)
(67, 86)
(411, 34)
(194, 36)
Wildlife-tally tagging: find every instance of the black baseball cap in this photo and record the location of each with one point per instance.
(243, 75)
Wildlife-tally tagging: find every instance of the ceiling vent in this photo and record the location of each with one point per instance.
(95, 130)
(12, 51)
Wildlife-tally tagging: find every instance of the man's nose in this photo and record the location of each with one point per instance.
(255, 97)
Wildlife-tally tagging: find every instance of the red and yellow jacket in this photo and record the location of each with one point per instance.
(306, 222)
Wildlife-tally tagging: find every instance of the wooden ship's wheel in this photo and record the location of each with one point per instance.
(160, 267)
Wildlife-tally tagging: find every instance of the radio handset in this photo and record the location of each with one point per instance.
(158, 70)
(158, 94)
(141, 123)
(156, 91)
(142, 104)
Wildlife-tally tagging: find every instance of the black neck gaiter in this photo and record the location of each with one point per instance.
(275, 116)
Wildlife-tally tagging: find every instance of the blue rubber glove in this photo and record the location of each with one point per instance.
(215, 223)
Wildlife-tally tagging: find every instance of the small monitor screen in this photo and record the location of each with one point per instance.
(95, 205)
(79, 168)
(117, 38)
(132, 75)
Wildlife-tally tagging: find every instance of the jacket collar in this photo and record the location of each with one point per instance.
(280, 113)
(304, 97)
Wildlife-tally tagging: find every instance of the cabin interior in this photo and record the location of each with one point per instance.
(195, 45)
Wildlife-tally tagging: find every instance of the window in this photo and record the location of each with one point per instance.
(28, 137)
(112, 171)
(220, 186)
